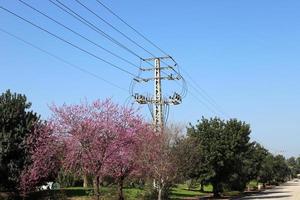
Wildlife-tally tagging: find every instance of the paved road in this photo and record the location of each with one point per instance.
(287, 191)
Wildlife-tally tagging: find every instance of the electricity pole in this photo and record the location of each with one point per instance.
(157, 101)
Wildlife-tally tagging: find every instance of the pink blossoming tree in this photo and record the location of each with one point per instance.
(45, 150)
(101, 139)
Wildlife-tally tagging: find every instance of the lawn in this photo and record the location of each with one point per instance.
(80, 193)
(180, 191)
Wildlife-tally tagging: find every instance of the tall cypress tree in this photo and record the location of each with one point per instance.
(16, 123)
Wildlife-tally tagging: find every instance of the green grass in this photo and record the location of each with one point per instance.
(253, 183)
(181, 191)
(109, 193)
(106, 193)
(80, 193)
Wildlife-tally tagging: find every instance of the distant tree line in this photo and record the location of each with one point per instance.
(102, 143)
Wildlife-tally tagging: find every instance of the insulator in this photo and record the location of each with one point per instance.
(135, 79)
(170, 77)
(176, 98)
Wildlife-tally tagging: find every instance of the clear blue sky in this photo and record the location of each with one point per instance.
(245, 54)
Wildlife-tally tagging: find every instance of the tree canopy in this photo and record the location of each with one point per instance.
(17, 122)
(225, 148)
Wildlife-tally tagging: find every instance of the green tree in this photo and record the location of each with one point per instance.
(274, 170)
(298, 165)
(224, 145)
(190, 160)
(16, 123)
(266, 172)
(248, 169)
(292, 163)
(258, 154)
(281, 169)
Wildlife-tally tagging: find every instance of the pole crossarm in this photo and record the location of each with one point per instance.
(151, 69)
(172, 100)
(169, 77)
(154, 58)
(159, 102)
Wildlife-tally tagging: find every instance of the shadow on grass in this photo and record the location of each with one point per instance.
(196, 190)
(76, 192)
(59, 194)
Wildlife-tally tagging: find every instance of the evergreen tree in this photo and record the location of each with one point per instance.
(225, 147)
(16, 123)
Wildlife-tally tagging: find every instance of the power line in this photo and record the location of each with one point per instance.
(136, 31)
(202, 102)
(127, 37)
(71, 44)
(68, 10)
(78, 34)
(107, 35)
(61, 59)
(77, 16)
(131, 27)
(86, 22)
(209, 99)
(113, 27)
(205, 95)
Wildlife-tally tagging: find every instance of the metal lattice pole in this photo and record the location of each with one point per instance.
(158, 109)
(157, 102)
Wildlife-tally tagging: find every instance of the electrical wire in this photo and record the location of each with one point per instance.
(211, 100)
(45, 29)
(205, 95)
(62, 60)
(202, 102)
(68, 10)
(71, 12)
(184, 87)
(83, 20)
(113, 27)
(135, 30)
(120, 32)
(78, 34)
(67, 42)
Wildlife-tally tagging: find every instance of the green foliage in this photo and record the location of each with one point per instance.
(294, 165)
(16, 123)
(274, 170)
(225, 150)
(189, 158)
(66, 179)
(281, 169)
(152, 193)
(248, 169)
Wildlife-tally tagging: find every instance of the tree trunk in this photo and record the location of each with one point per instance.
(85, 181)
(216, 189)
(120, 189)
(201, 186)
(159, 193)
(96, 184)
